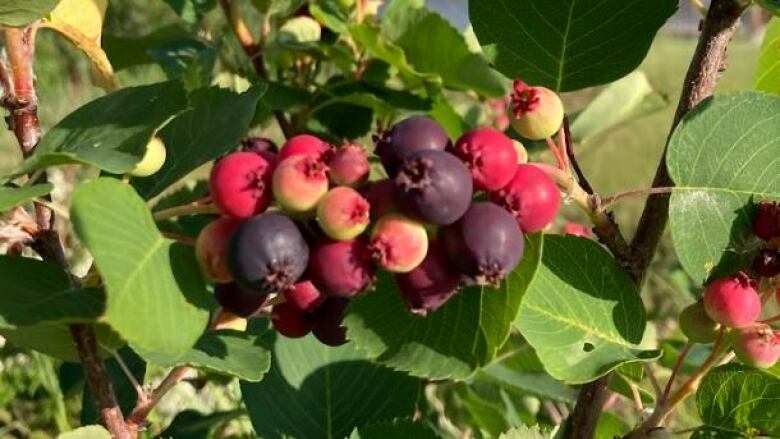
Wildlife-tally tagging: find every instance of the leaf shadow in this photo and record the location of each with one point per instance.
(742, 246)
(188, 277)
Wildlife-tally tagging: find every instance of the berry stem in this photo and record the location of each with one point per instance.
(178, 237)
(771, 319)
(675, 370)
(193, 208)
(557, 154)
(653, 381)
(612, 199)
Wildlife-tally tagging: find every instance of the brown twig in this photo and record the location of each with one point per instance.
(254, 52)
(675, 370)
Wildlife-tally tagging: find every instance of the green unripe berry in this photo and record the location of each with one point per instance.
(697, 325)
(536, 113)
(300, 30)
(153, 159)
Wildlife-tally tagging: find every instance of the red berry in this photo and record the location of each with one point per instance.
(211, 248)
(767, 223)
(327, 321)
(767, 263)
(536, 112)
(241, 184)
(697, 325)
(756, 346)
(733, 301)
(237, 300)
(532, 197)
(380, 197)
(341, 268)
(305, 296)
(290, 321)
(490, 156)
(575, 229)
(343, 213)
(349, 166)
(399, 243)
(305, 145)
(299, 183)
(430, 285)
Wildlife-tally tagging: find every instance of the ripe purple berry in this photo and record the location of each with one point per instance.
(485, 245)
(239, 302)
(327, 321)
(290, 321)
(767, 222)
(431, 284)
(379, 195)
(434, 186)
(414, 134)
(267, 254)
(767, 263)
(341, 268)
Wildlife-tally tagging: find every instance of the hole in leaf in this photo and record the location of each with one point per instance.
(587, 347)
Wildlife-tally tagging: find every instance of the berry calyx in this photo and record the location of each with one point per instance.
(697, 325)
(756, 346)
(398, 243)
(485, 245)
(240, 184)
(299, 182)
(343, 213)
(153, 159)
(349, 166)
(238, 301)
(211, 248)
(305, 145)
(327, 321)
(536, 112)
(489, 155)
(733, 301)
(431, 284)
(290, 321)
(433, 186)
(767, 222)
(767, 263)
(342, 268)
(305, 296)
(532, 197)
(267, 254)
(406, 137)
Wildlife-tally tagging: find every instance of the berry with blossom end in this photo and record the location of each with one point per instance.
(532, 197)
(697, 325)
(767, 222)
(398, 243)
(431, 284)
(305, 145)
(343, 213)
(411, 135)
(342, 268)
(240, 184)
(290, 321)
(211, 248)
(299, 182)
(536, 112)
(349, 166)
(489, 155)
(756, 346)
(733, 301)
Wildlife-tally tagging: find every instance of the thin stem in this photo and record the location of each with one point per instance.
(178, 237)
(653, 381)
(187, 209)
(771, 319)
(699, 7)
(675, 370)
(552, 412)
(612, 199)
(556, 153)
(640, 407)
(56, 208)
(139, 389)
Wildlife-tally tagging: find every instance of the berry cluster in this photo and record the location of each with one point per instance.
(735, 304)
(305, 224)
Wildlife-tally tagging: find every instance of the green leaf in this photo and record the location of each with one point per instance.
(432, 45)
(111, 132)
(39, 292)
(768, 69)
(626, 99)
(724, 156)
(124, 52)
(611, 426)
(55, 340)
(445, 114)
(11, 197)
(316, 391)
(213, 125)
(191, 11)
(740, 399)
(451, 342)
(155, 290)
(523, 433)
(23, 12)
(88, 432)
(331, 14)
(392, 430)
(512, 377)
(716, 433)
(227, 352)
(190, 424)
(125, 391)
(567, 45)
(582, 313)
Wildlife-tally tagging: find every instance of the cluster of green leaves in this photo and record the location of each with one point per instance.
(575, 314)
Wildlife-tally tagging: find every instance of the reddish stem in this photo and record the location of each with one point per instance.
(675, 370)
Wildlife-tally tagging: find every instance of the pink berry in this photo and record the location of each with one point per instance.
(697, 325)
(304, 296)
(380, 197)
(430, 285)
(290, 321)
(211, 248)
(398, 243)
(575, 229)
(733, 301)
(305, 145)
(536, 112)
(299, 182)
(532, 197)
(349, 166)
(756, 346)
(343, 213)
(767, 222)
(489, 155)
(240, 184)
(341, 268)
